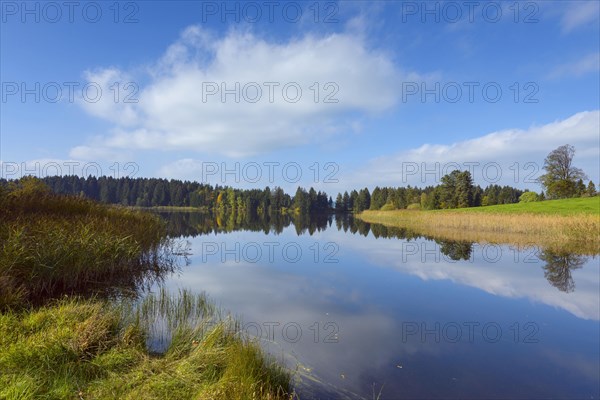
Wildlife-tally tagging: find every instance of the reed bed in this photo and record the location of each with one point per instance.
(579, 233)
(63, 338)
(52, 245)
(91, 349)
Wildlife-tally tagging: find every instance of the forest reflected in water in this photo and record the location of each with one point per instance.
(558, 266)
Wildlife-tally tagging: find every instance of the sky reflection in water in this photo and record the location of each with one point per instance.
(363, 314)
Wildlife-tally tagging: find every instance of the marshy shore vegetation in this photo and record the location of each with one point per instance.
(54, 245)
(69, 329)
(561, 225)
(93, 349)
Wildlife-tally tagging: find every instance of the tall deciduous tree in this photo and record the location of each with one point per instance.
(561, 177)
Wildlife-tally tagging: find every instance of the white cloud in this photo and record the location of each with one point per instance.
(186, 168)
(588, 63)
(505, 148)
(99, 152)
(110, 94)
(579, 14)
(176, 110)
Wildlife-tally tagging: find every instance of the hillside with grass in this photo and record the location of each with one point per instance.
(580, 205)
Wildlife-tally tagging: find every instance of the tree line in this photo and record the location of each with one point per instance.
(456, 190)
(157, 192)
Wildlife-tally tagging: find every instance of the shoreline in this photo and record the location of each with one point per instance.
(70, 326)
(578, 233)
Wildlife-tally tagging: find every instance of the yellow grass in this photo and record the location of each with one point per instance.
(574, 233)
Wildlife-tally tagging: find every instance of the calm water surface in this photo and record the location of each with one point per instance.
(362, 310)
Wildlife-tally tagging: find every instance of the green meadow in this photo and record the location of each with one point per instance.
(580, 205)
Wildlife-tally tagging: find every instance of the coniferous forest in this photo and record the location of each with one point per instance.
(456, 190)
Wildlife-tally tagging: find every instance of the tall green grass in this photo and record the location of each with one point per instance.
(90, 349)
(52, 245)
(62, 337)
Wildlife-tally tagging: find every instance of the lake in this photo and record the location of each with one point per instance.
(361, 311)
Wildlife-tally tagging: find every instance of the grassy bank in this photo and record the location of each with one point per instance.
(90, 349)
(67, 331)
(577, 206)
(571, 225)
(53, 245)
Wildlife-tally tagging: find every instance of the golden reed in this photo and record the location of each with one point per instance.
(574, 233)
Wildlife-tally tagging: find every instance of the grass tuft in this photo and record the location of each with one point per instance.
(98, 349)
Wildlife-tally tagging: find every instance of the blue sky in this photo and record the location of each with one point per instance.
(392, 93)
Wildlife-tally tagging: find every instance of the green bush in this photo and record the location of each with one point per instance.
(414, 206)
(528, 197)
